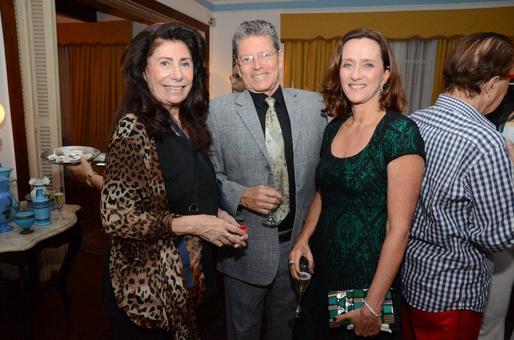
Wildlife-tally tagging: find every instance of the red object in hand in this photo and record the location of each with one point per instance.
(243, 228)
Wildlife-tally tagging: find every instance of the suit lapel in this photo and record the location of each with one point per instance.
(294, 110)
(246, 110)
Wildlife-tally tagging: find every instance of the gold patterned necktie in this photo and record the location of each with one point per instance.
(276, 151)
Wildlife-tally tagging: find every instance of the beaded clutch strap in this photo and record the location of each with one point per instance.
(345, 301)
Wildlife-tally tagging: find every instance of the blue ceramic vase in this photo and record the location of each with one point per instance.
(41, 205)
(6, 200)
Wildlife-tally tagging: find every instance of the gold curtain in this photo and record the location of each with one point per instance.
(399, 25)
(96, 90)
(306, 62)
(309, 45)
(444, 47)
(65, 93)
(91, 53)
(104, 33)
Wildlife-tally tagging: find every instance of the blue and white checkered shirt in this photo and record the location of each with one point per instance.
(465, 211)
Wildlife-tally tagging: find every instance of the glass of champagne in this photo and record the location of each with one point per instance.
(59, 202)
(301, 285)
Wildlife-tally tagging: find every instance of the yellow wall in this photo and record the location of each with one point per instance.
(399, 25)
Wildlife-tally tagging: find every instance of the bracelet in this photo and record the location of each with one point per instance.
(371, 309)
(89, 178)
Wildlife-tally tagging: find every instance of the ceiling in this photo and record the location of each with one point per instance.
(225, 2)
(231, 5)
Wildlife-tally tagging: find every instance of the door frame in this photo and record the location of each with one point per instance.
(145, 11)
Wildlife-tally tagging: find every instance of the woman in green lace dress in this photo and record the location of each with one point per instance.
(368, 178)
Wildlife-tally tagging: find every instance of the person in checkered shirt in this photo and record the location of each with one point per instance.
(465, 212)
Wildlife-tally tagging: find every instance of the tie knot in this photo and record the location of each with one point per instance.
(270, 101)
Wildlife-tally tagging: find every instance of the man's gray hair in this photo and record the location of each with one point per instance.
(254, 28)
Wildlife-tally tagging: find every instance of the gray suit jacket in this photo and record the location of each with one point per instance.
(241, 161)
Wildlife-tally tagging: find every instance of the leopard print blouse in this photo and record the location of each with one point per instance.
(145, 266)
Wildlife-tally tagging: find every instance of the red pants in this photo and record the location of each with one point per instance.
(451, 325)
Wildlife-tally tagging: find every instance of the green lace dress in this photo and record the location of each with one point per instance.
(351, 228)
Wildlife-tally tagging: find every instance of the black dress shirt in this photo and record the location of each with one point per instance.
(285, 124)
(182, 171)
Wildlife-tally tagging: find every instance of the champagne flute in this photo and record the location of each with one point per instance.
(59, 202)
(301, 285)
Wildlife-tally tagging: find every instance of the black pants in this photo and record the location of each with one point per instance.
(124, 329)
(121, 326)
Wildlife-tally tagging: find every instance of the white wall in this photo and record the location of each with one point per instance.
(221, 44)
(189, 7)
(7, 148)
(136, 26)
(227, 21)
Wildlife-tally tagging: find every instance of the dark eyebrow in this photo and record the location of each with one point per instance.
(182, 59)
(364, 60)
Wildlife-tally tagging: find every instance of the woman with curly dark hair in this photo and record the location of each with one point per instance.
(369, 177)
(159, 200)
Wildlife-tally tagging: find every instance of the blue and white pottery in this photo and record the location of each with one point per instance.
(5, 172)
(41, 205)
(6, 199)
(24, 219)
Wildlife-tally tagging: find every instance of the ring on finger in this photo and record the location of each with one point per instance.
(291, 262)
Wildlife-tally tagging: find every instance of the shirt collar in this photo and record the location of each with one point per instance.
(451, 103)
(259, 98)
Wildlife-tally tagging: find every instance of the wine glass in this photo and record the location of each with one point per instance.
(270, 221)
(301, 285)
(59, 202)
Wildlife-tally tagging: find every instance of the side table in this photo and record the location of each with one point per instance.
(21, 250)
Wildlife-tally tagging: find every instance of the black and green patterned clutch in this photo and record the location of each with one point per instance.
(345, 301)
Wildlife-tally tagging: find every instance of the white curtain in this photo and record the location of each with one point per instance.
(416, 62)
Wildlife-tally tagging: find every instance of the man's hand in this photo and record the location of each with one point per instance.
(261, 199)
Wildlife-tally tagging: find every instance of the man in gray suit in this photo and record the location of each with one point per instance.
(266, 143)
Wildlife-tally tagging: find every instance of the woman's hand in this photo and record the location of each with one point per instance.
(363, 321)
(301, 249)
(82, 169)
(225, 216)
(217, 231)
